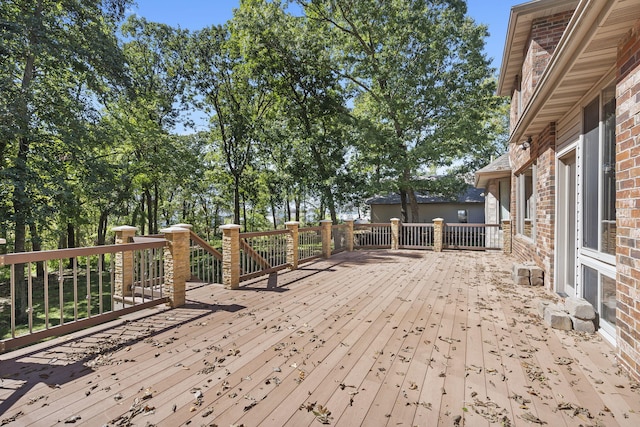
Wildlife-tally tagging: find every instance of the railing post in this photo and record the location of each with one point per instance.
(187, 271)
(176, 264)
(230, 256)
(506, 236)
(292, 244)
(326, 237)
(349, 236)
(438, 234)
(395, 233)
(123, 277)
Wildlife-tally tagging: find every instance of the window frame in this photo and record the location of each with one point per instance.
(588, 187)
(521, 201)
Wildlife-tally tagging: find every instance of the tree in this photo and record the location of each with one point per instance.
(420, 76)
(239, 101)
(144, 116)
(291, 55)
(57, 58)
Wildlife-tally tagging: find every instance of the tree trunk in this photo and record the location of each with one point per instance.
(71, 235)
(244, 215)
(297, 201)
(20, 207)
(149, 199)
(415, 216)
(404, 214)
(216, 215)
(71, 241)
(156, 197)
(331, 204)
(21, 203)
(102, 232)
(274, 214)
(143, 220)
(236, 200)
(287, 208)
(36, 245)
(102, 228)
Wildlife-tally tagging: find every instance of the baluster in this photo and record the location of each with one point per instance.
(45, 268)
(88, 297)
(30, 297)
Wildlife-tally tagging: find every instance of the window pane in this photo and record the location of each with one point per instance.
(526, 200)
(609, 173)
(590, 281)
(590, 173)
(505, 199)
(608, 299)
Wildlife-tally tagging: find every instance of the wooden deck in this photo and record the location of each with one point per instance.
(403, 338)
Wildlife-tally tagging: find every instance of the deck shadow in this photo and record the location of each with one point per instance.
(48, 364)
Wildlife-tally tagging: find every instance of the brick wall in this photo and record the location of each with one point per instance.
(628, 202)
(545, 35)
(541, 252)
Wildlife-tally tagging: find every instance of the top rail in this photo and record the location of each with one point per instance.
(206, 246)
(37, 256)
(262, 233)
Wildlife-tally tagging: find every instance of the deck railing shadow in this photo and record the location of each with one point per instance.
(73, 360)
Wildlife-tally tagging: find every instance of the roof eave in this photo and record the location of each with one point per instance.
(523, 14)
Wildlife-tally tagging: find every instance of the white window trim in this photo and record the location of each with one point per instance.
(521, 204)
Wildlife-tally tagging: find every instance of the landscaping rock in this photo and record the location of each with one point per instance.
(581, 325)
(544, 305)
(580, 308)
(537, 281)
(520, 270)
(558, 319)
(536, 272)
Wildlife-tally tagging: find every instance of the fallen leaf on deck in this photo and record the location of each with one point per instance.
(528, 416)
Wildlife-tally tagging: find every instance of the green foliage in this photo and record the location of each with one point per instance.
(313, 106)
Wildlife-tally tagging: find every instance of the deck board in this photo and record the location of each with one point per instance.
(378, 337)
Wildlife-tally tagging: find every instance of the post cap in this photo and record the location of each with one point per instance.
(324, 221)
(174, 229)
(183, 225)
(125, 228)
(438, 219)
(292, 223)
(230, 227)
(3, 241)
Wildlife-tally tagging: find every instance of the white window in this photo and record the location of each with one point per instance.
(526, 202)
(598, 208)
(504, 196)
(599, 184)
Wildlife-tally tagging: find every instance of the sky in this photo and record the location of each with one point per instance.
(197, 14)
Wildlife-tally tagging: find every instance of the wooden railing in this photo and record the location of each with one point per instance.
(472, 236)
(416, 236)
(309, 243)
(205, 261)
(69, 289)
(338, 238)
(376, 236)
(262, 253)
(56, 292)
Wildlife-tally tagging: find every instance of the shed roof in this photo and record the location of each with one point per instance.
(499, 168)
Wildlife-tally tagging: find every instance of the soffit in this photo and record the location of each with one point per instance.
(586, 53)
(517, 37)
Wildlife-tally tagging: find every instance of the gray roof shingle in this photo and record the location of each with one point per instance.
(471, 195)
